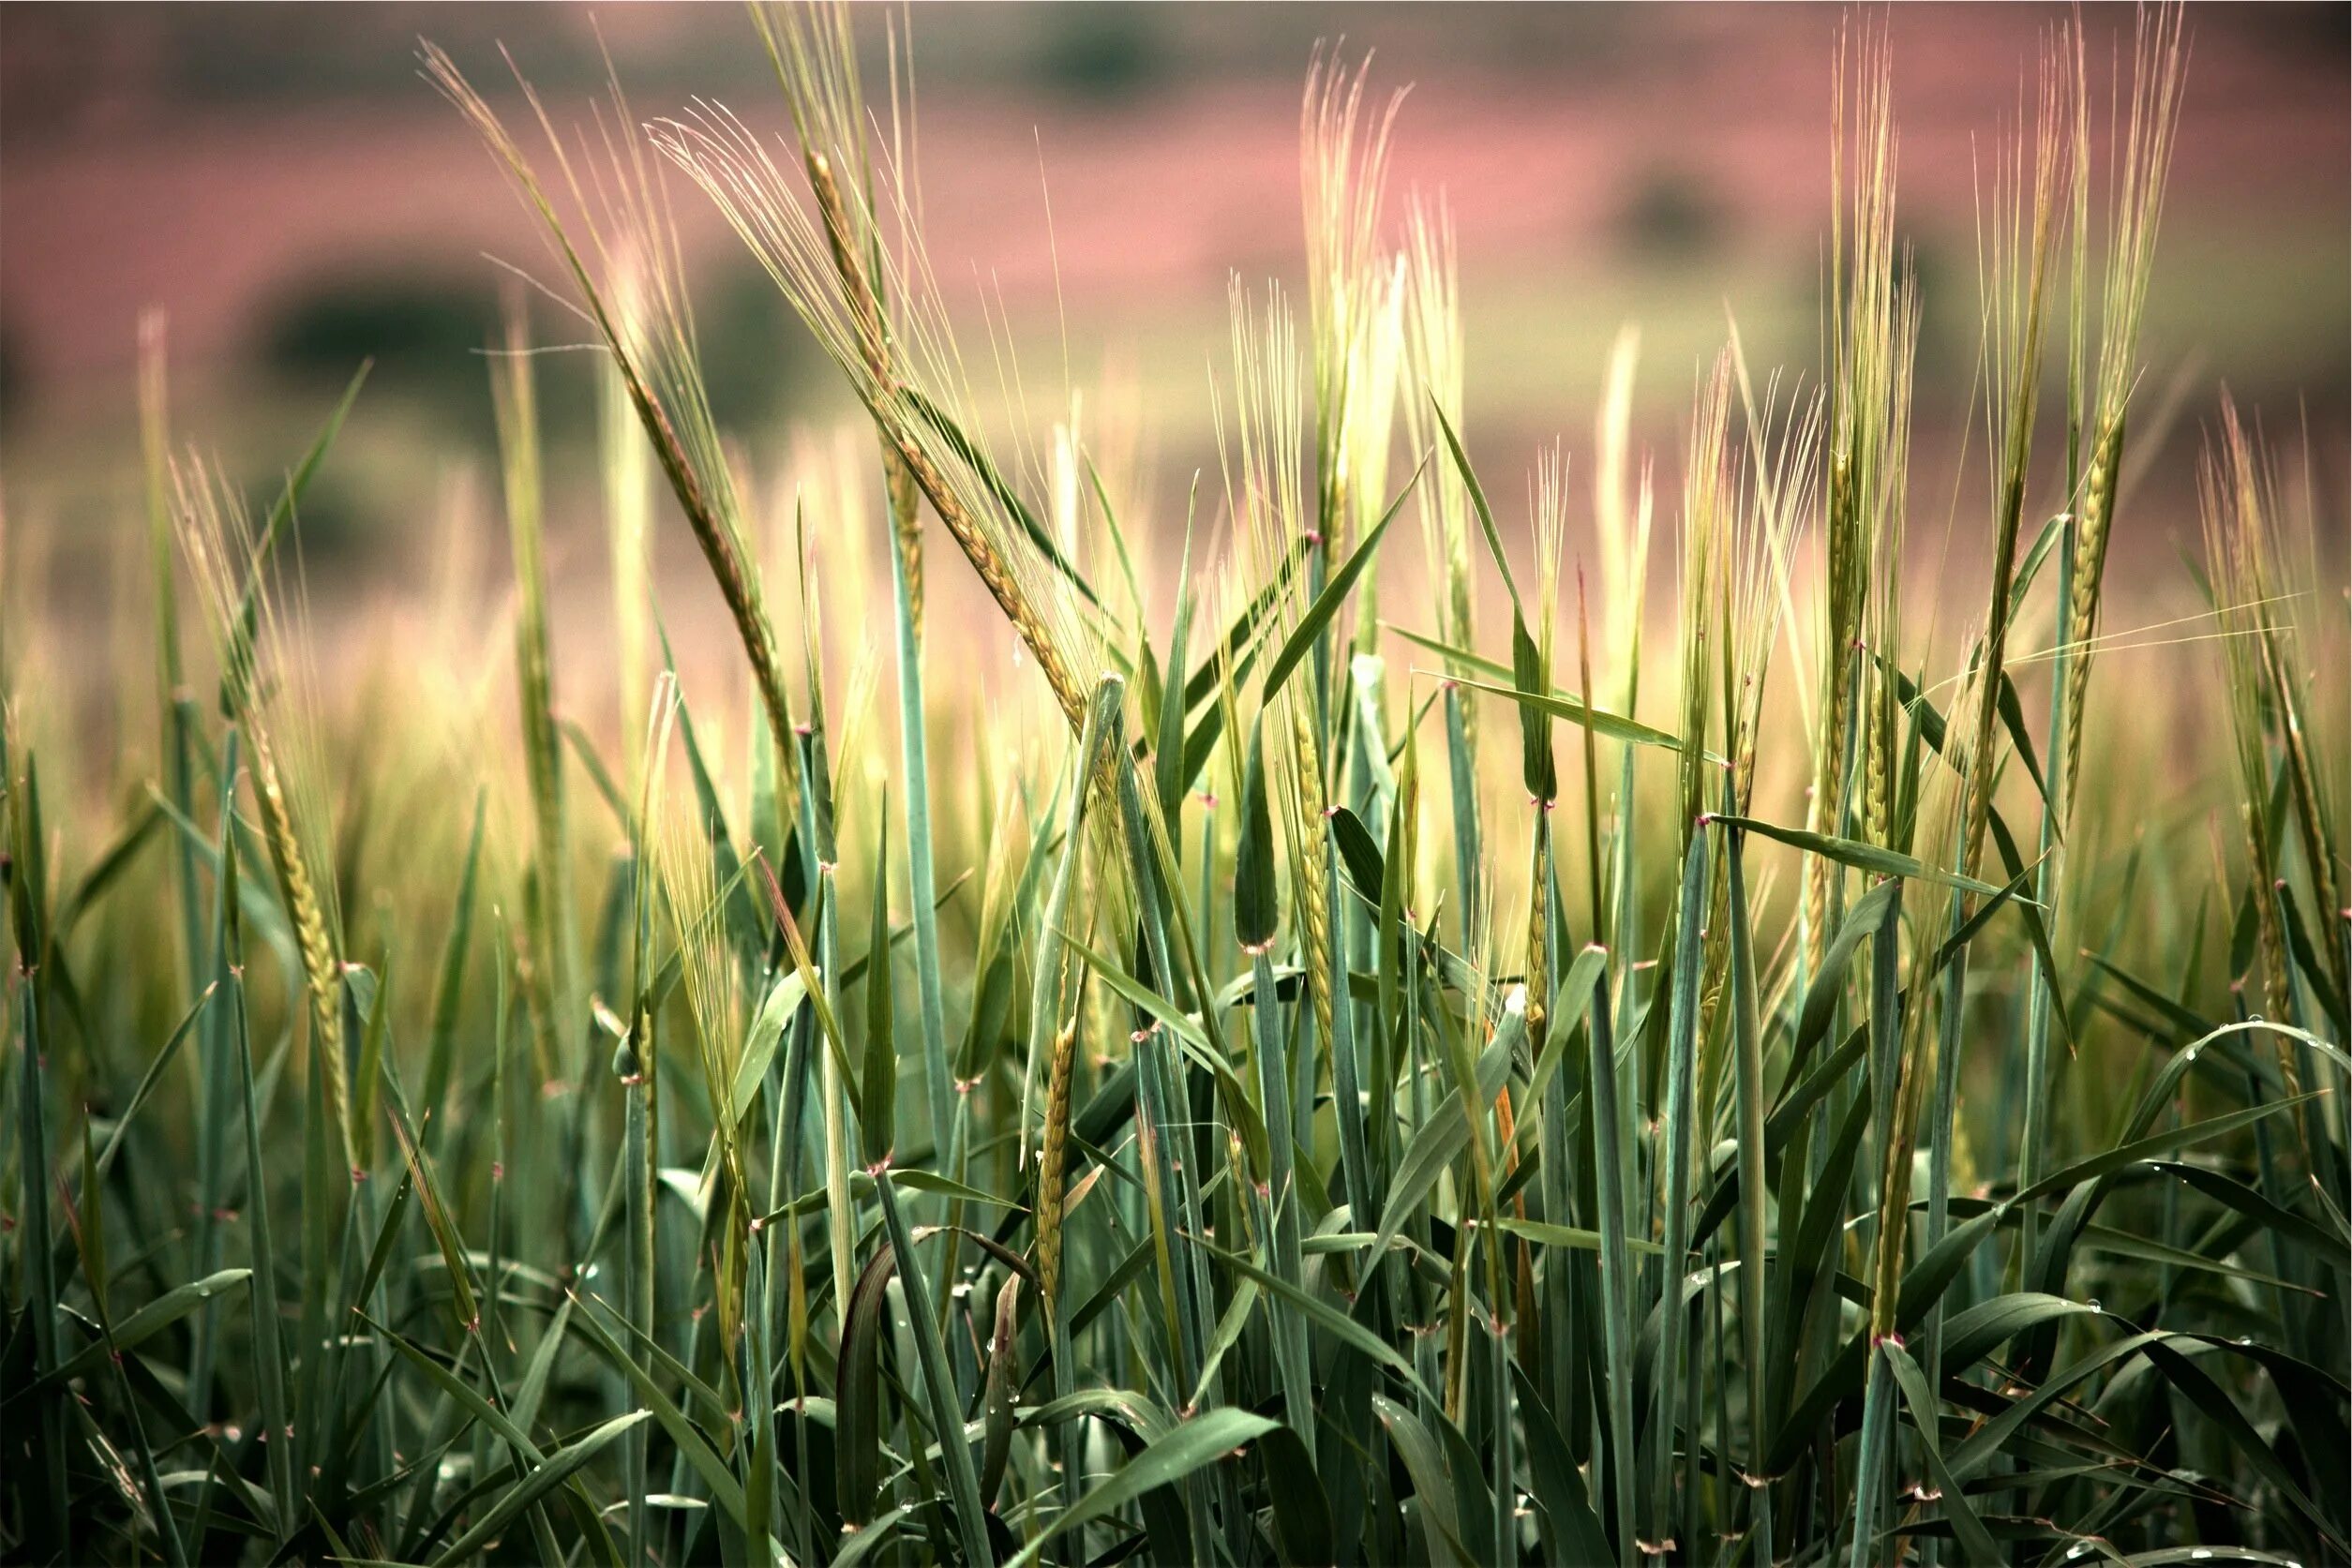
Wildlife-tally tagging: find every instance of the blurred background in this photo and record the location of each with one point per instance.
(280, 180)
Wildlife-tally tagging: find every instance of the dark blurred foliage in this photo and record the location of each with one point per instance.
(2323, 30)
(426, 333)
(1670, 214)
(66, 65)
(1106, 53)
(13, 379)
(756, 356)
(339, 521)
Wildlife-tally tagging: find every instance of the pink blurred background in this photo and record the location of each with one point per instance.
(279, 180)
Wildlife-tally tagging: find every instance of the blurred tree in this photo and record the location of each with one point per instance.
(1103, 53)
(1670, 212)
(425, 332)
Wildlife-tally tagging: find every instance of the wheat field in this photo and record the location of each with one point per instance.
(1729, 1037)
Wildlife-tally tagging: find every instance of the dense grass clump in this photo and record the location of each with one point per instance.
(1341, 1064)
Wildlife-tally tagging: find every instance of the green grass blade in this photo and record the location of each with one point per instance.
(1333, 596)
(1862, 856)
(543, 1479)
(1201, 1440)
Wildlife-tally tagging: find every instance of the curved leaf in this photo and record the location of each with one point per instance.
(1204, 1440)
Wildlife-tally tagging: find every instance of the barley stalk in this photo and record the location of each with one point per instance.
(1055, 1001)
(2015, 304)
(2098, 415)
(2237, 501)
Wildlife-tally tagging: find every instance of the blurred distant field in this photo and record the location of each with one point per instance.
(280, 182)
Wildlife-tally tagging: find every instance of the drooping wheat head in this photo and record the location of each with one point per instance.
(623, 213)
(815, 55)
(919, 400)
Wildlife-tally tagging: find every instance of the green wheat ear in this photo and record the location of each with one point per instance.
(238, 579)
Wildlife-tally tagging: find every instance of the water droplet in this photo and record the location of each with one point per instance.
(2076, 1550)
(2199, 1554)
(2093, 1304)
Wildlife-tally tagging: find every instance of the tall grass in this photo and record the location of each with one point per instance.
(1296, 1080)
